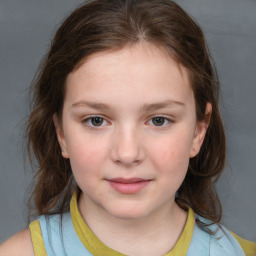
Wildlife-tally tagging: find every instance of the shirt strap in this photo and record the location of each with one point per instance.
(37, 239)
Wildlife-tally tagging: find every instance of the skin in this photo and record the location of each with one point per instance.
(127, 90)
(20, 244)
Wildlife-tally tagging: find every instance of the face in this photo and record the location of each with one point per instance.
(129, 128)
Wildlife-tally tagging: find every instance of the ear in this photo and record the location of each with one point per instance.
(200, 131)
(60, 136)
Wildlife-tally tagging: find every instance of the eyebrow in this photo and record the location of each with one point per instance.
(161, 105)
(145, 107)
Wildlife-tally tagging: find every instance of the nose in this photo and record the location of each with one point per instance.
(127, 148)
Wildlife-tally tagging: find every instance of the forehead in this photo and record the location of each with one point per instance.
(143, 69)
(123, 55)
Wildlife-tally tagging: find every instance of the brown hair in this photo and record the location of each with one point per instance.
(107, 25)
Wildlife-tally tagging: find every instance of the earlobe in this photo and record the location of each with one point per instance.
(60, 136)
(200, 131)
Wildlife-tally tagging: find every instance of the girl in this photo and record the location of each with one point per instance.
(127, 133)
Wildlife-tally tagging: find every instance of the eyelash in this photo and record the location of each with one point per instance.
(166, 121)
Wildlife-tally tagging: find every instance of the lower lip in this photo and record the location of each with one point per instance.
(129, 188)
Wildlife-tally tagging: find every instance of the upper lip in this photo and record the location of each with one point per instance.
(127, 180)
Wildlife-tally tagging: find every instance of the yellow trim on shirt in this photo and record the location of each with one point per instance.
(97, 248)
(248, 247)
(182, 245)
(37, 238)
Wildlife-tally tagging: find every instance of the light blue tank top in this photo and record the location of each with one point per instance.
(61, 239)
(222, 243)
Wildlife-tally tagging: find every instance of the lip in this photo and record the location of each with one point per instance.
(128, 186)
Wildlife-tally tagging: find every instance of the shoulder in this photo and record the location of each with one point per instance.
(217, 239)
(20, 244)
(248, 247)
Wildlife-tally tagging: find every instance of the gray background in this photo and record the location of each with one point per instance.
(230, 26)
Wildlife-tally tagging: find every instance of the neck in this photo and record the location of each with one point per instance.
(155, 234)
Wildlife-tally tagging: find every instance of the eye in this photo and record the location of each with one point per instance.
(160, 121)
(95, 121)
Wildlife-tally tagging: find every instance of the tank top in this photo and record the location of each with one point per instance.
(68, 234)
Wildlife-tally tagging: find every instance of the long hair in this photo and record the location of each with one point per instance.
(101, 25)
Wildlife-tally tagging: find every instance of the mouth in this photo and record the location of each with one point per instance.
(128, 186)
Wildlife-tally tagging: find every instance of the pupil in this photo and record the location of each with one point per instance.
(97, 121)
(158, 121)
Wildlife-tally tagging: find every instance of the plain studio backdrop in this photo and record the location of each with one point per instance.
(26, 28)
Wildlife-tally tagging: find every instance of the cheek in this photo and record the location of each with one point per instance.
(171, 151)
(171, 154)
(86, 161)
(86, 156)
